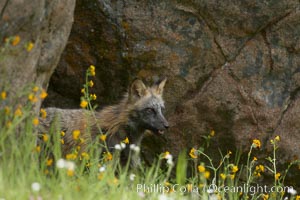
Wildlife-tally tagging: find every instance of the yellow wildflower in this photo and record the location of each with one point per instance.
(103, 137)
(223, 176)
(166, 154)
(265, 196)
(70, 172)
(256, 143)
(193, 153)
(108, 156)
(62, 141)
(38, 148)
(93, 96)
(85, 155)
(32, 98)
(254, 158)
(228, 154)
(8, 124)
(207, 174)
(297, 197)
(126, 141)
(62, 133)
(189, 187)
(71, 156)
(115, 181)
(43, 94)
(18, 112)
(167, 183)
(35, 121)
(45, 137)
(92, 70)
(277, 138)
(49, 162)
(201, 168)
(212, 133)
(234, 169)
(91, 83)
(76, 134)
(100, 176)
(277, 176)
(81, 140)
(257, 174)
(15, 41)
(43, 113)
(29, 46)
(232, 176)
(35, 89)
(82, 90)
(260, 168)
(83, 104)
(3, 95)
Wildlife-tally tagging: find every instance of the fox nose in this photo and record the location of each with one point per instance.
(165, 123)
(166, 126)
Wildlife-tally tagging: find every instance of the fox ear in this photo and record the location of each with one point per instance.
(159, 87)
(137, 89)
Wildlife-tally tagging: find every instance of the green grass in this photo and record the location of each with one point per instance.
(23, 163)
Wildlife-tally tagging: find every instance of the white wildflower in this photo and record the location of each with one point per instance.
(210, 191)
(60, 163)
(292, 191)
(102, 169)
(135, 148)
(70, 165)
(169, 157)
(35, 187)
(170, 162)
(123, 145)
(141, 194)
(163, 197)
(213, 197)
(118, 147)
(132, 177)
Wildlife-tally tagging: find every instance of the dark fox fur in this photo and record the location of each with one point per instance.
(141, 109)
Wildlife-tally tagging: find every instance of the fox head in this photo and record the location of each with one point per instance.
(147, 106)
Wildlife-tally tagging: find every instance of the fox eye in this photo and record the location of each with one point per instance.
(150, 110)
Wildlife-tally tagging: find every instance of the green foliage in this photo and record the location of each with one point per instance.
(181, 168)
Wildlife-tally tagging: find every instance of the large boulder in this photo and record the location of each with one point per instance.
(232, 67)
(44, 23)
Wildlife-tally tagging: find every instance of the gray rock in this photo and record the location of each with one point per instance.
(45, 23)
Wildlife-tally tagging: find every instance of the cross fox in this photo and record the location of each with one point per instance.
(141, 109)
